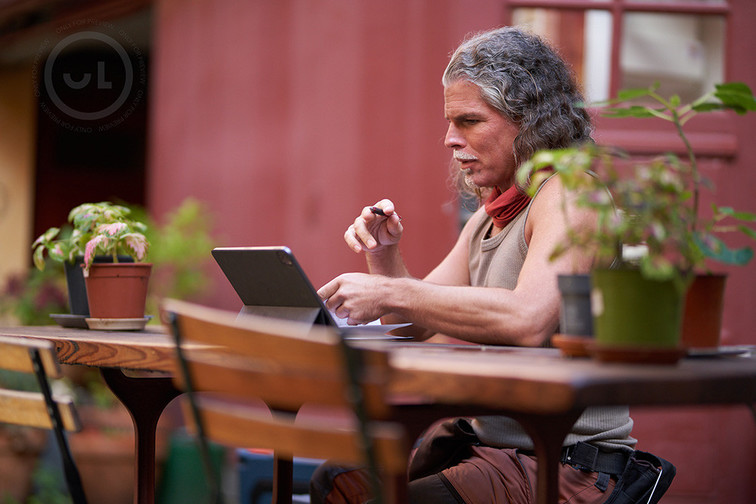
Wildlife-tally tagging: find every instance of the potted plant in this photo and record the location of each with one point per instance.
(115, 290)
(705, 296)
(66, 245)
(654, 205)
(104, 235)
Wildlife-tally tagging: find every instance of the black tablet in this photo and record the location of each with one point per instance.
(270, 282)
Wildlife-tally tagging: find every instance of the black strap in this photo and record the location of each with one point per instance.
(589, 458)
(73, 479)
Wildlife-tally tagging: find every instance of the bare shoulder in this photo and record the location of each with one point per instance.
(548, 199)
(549, 204)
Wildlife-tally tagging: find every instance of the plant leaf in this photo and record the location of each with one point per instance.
(38, 258)
(708, 107)
(730, 212)
(747, 231)
(736, 96)
(632, 111)
(46, 237)
(634, 93)
(719, 251)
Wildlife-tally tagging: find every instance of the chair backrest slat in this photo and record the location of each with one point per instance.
(14, 355)
(238, 425)
(29, 409)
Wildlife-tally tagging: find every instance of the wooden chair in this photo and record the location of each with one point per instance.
(286, 365)
(40, 409)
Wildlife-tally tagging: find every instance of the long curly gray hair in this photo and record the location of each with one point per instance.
(525, 79)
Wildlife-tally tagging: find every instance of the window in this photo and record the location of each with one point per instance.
(620, 44)
(616, 44)
(683, 51)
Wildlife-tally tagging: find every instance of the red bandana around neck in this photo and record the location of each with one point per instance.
(503, 207)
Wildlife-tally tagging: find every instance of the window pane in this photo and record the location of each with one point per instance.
(685, 53)
(583, 38)
(598, 55)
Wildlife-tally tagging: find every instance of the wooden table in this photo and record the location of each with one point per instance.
(538, 387)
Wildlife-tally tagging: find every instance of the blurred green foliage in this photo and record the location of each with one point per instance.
(29, 298)
(180, 246)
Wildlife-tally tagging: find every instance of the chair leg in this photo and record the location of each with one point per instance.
(283, 479)
(73, 479)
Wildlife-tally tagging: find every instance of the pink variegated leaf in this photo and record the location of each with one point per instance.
(137, 243)
(57, 251)
(91, 249)
(113, 229)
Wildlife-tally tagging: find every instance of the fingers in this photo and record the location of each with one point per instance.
(350, 237)
(327, 294)
(334, 302)
(384, 211)
(383, 208)
(394, 225)
(374, 224)
(363, 229)
(328, 290)
(348, 297)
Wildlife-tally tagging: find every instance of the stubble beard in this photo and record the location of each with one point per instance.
(468, 180)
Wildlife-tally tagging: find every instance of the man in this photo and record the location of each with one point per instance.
(506, 95)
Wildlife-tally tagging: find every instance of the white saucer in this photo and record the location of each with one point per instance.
(117, 324)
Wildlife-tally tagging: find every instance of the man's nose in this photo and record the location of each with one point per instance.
(453, 138)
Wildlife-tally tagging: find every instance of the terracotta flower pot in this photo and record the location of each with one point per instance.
(117, 290)
(702, 321)
(77, 291)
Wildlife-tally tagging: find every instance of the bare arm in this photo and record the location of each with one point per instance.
(445, 303)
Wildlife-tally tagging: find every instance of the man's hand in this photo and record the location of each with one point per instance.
(372, 232)
(355, 297)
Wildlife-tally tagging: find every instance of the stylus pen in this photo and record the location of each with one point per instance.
(379, 211)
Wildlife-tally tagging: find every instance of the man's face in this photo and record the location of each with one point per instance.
(480, 136)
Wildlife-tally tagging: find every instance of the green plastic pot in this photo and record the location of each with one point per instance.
(632, 311)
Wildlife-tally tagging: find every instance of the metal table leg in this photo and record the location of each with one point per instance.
(145, 398)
